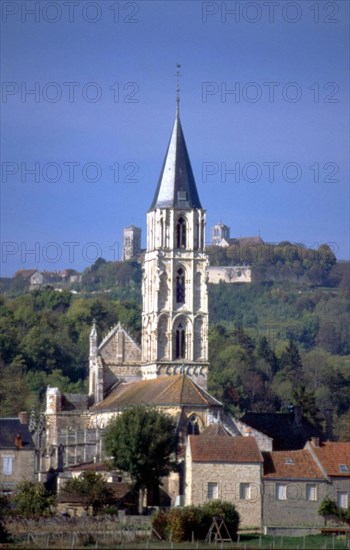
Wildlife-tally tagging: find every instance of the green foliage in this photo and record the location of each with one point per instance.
(32, 500)
(142, 442)
(180, 524)
(91, 488)
(329, 507)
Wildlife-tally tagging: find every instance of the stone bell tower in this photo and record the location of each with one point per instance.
(175, 301)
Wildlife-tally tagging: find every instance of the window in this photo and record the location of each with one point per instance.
(342, 499)
(213, 490)
(311, 492)
(192, 426)
(281, 491)
(181, 233)
(7, 465)
(244, 491)
(289, 460)
(343, 468)
(180, 344)
(180, 286)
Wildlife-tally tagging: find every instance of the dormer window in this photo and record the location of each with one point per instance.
(181, 233)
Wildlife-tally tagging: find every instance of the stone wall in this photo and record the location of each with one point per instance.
(296, 510)
(228, 477)
(229, 274)
(23, 466)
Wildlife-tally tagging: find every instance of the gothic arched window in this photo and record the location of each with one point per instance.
(180, 342)
(192, 426)
(181, 233)
(180, 286)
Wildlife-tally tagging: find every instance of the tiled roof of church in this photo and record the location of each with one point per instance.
(291, 464)
(224, 449)
(165, 390)
(176, 186)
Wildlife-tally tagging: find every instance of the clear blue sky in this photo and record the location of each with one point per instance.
(287, 62)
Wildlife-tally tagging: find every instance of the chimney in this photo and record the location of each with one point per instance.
(297, 415)
(19, 442)
(23, 417)
(328, 414)
(315, 441)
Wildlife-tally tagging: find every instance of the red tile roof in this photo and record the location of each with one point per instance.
(165, 390)
(291, 464)
(218, 448)
(331, 455)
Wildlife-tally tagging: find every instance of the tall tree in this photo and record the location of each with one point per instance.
(142, 442)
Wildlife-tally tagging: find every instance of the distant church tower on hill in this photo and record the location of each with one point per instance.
(131, 243)
(174, 290)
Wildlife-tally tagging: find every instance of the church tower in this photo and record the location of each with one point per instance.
(174, 289)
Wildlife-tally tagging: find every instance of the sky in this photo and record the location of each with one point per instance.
(88, 104)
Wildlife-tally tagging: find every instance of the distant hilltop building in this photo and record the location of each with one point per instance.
(220, 236)
(219, 232)
(131, 242)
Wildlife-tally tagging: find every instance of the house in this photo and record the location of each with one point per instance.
(17, 453)
(289, 431)
(32, 276)
(334, 460)
(294, 486)
(226, 468)
(70, 276)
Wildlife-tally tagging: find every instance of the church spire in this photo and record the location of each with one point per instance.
(176, 186)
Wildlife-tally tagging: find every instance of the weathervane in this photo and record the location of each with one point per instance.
(178, 75)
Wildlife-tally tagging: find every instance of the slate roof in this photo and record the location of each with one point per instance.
(9, 428)
(176, 186)
(291, 464)
(283, 429)
(165, 390)
(331, 455)
(224, 449)
(216, 429)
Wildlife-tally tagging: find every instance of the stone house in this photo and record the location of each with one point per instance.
(294, 486)
(17, 453)
(334, 460)
(226, 468)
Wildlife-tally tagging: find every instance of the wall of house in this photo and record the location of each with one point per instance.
(228, 477)
(23, 465)
(296, 510)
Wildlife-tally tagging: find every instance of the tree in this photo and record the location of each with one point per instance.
(92, 489)
(142, 442)
(32, 500)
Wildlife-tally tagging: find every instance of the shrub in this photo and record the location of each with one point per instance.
(182, 523)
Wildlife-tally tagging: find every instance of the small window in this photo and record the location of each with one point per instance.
(7, 465)
(244, 491)
(311, 492)
(343, 468)
(342, 499)
(213, 490)
(281, 491)
(289, 460)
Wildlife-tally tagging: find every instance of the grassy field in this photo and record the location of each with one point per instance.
(246, 542)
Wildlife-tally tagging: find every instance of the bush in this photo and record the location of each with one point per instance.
(180, 524)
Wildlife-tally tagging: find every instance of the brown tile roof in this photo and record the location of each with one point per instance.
(88, 466)
(217, 448)
(291, 464)
(165, 390)
(25, 273)
(331, 455)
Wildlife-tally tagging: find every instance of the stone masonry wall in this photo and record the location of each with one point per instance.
(228, 477)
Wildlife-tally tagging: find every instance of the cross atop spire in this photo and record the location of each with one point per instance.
(178, 75)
